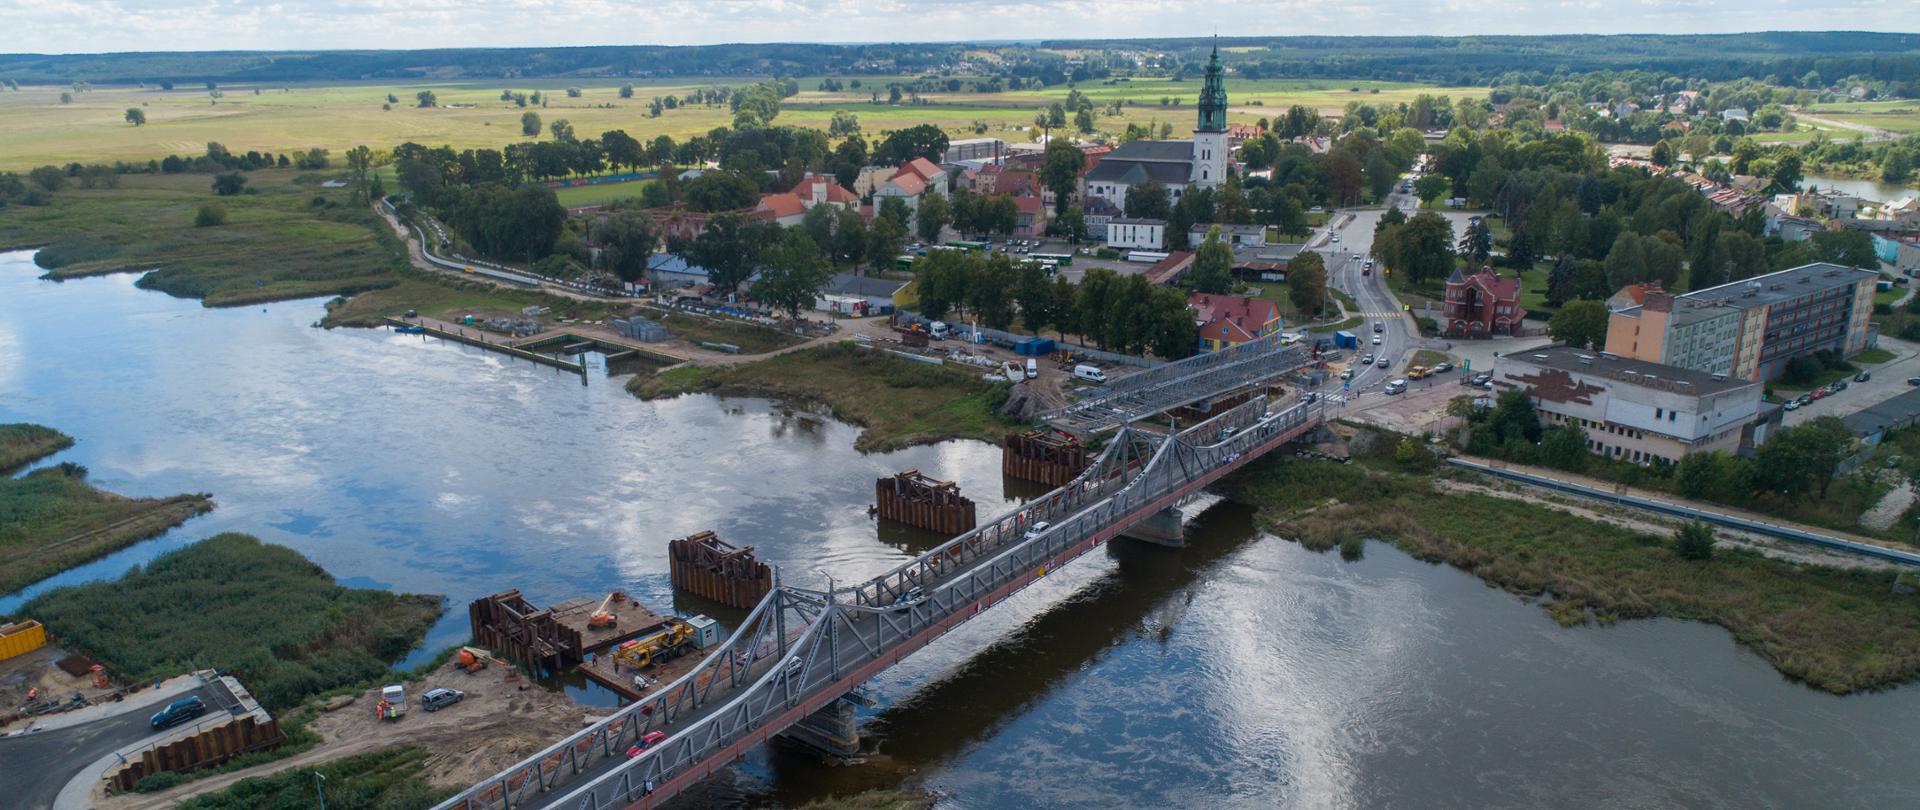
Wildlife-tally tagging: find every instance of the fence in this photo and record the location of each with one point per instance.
(906, 317)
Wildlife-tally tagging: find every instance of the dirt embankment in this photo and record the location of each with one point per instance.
(498, 724)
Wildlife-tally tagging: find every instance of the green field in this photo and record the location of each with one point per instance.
(576, 196)
(1894, 116)
(36, 129)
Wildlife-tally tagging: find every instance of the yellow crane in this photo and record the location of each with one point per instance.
(658, 647)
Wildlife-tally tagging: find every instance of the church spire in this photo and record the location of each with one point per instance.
(1213, 96)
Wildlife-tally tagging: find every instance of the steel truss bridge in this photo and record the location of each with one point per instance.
(1172, 385)
(799, 651)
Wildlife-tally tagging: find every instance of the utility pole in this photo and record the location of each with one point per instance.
(320, 788)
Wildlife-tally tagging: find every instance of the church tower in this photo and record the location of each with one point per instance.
(1210, 136)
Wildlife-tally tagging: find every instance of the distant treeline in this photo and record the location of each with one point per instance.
(1484, 60)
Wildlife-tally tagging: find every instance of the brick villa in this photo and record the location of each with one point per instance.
(1482, 304)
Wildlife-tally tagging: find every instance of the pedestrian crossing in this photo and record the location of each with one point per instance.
(1385, 314)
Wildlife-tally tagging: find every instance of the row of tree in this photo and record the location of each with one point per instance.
(1120, 313)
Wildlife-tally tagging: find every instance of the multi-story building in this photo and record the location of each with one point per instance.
(1230, 320)
(1482, 304)
(1634, 410)
(1749, 329)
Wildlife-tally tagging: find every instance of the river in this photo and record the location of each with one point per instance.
(1243, 671)
(1865, 189)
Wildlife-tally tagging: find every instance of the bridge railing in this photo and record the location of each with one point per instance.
(1199, 376)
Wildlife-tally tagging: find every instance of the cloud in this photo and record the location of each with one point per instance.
(66, 26)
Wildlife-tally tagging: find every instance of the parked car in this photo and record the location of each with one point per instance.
(434, 699)
(1819, 393)
(1804, 399)
(1913, 380)
(179, 711)
(1793, 405)
(1863, 376)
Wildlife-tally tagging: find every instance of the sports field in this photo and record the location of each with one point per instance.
(37, 129)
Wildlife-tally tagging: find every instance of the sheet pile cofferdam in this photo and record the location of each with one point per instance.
(918, 500)
(1045, 457)
(706, 566)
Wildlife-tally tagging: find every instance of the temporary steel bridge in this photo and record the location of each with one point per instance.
(799, 651)
(1202, 377)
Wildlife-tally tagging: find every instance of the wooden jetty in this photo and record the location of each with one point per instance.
(704, 565)
(1044, 457)
(917, 500)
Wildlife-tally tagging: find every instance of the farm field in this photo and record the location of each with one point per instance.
(1902, 117)
(36, 129)
(576, 196)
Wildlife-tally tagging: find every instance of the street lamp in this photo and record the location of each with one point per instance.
(320, 789)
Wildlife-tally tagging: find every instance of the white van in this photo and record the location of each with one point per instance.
(938, 330)
(1089, 373)
(1396, 387)
(1033, 368)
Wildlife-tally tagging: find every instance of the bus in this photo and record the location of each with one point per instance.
(903, 263)
(970, 247)
(1062, 259)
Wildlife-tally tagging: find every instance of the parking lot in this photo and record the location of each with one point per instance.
(1889, 380)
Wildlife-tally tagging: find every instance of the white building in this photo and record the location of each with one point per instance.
(1178, 165)
(1136, 234)
(1633, 410)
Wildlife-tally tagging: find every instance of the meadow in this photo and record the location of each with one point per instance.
(1902, 117)
(37, 129)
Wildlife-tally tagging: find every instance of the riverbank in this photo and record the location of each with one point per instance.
(22, 444)
(230, 602)
(899, 402)
(1839, 631)
(51, 519)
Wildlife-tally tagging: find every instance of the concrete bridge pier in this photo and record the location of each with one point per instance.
(831, 731)
(1162, 528)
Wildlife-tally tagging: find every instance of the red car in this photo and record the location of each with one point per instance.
(651, 739)
(1819, 393)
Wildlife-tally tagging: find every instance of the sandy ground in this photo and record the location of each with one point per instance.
(498, 724)
(1883, 514)
(36, 670)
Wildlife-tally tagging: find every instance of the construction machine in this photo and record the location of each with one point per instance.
(674, 638)
(601, 616)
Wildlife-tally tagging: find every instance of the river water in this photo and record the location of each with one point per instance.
(1242, 671)
(1865, 189)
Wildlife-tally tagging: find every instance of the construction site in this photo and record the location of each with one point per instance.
(615, 641)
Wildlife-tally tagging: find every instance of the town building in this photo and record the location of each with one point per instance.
(912, 182)
(1230, 320)
(1236, 236)
(1749, 329)
(1637, 411)
(1482, 304)
(1170, 269)
(973, 149)
(1178, 165)
(1125, 233)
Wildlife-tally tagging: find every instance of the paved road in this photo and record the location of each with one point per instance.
(1889, 380)
(38, 765)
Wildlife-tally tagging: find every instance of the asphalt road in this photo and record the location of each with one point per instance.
(36, 766)
(1346, 261)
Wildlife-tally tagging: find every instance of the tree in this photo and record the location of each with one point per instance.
(1561, 280)
(66, 98)
(626, 239)
(1714, 476)
(1035, 298)
(1787, 172)
(1565, 448)
(426, 98)
(562, 130)
(1580, 324)
(360, 164)
(1212, 265)
(1803, 457)
(1513, 418)
(229, 183)
(1626, 261)
(728, 246)
(210, 215)
(1083, 121)
(843, 124)
(791, 273)
(1477, 244)
(530, 124)
(1147, 201)
(1693, 541)
(719, 190)
(1896, 164)
(1307, 281)
(626, 90)
(1060, 171)
(1431, 187)
(934, 214)
(136, 116)
(903, 145)
(1424, 246)
(1662, 154)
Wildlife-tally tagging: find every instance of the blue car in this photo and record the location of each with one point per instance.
(180, 711)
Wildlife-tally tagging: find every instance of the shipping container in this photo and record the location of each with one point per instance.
(21, 638)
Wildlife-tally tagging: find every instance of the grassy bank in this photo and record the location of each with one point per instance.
(231, 602)
(22, 444)
(1836, 630)
(448, 298)
(899, 402)
(388, 779)
(292, 239)
(52, 520)
(751, 338)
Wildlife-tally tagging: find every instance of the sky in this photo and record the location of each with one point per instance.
(87, 26)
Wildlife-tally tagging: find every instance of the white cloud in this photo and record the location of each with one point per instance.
(63, 26)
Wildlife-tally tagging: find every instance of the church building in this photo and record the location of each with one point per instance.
(1178, 165)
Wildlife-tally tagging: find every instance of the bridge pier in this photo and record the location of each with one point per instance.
(1163, 528)
(833, 731)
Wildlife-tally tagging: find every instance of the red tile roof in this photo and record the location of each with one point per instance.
(1169, 268)
(920, 166)
(1015, 183)
(910, 183)
(781, 205)
(836, 193)
(1242, 317)
(1027, 205)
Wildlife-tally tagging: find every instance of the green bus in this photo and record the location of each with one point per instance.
(903, 263)
(1062, 259)
(970, 247)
